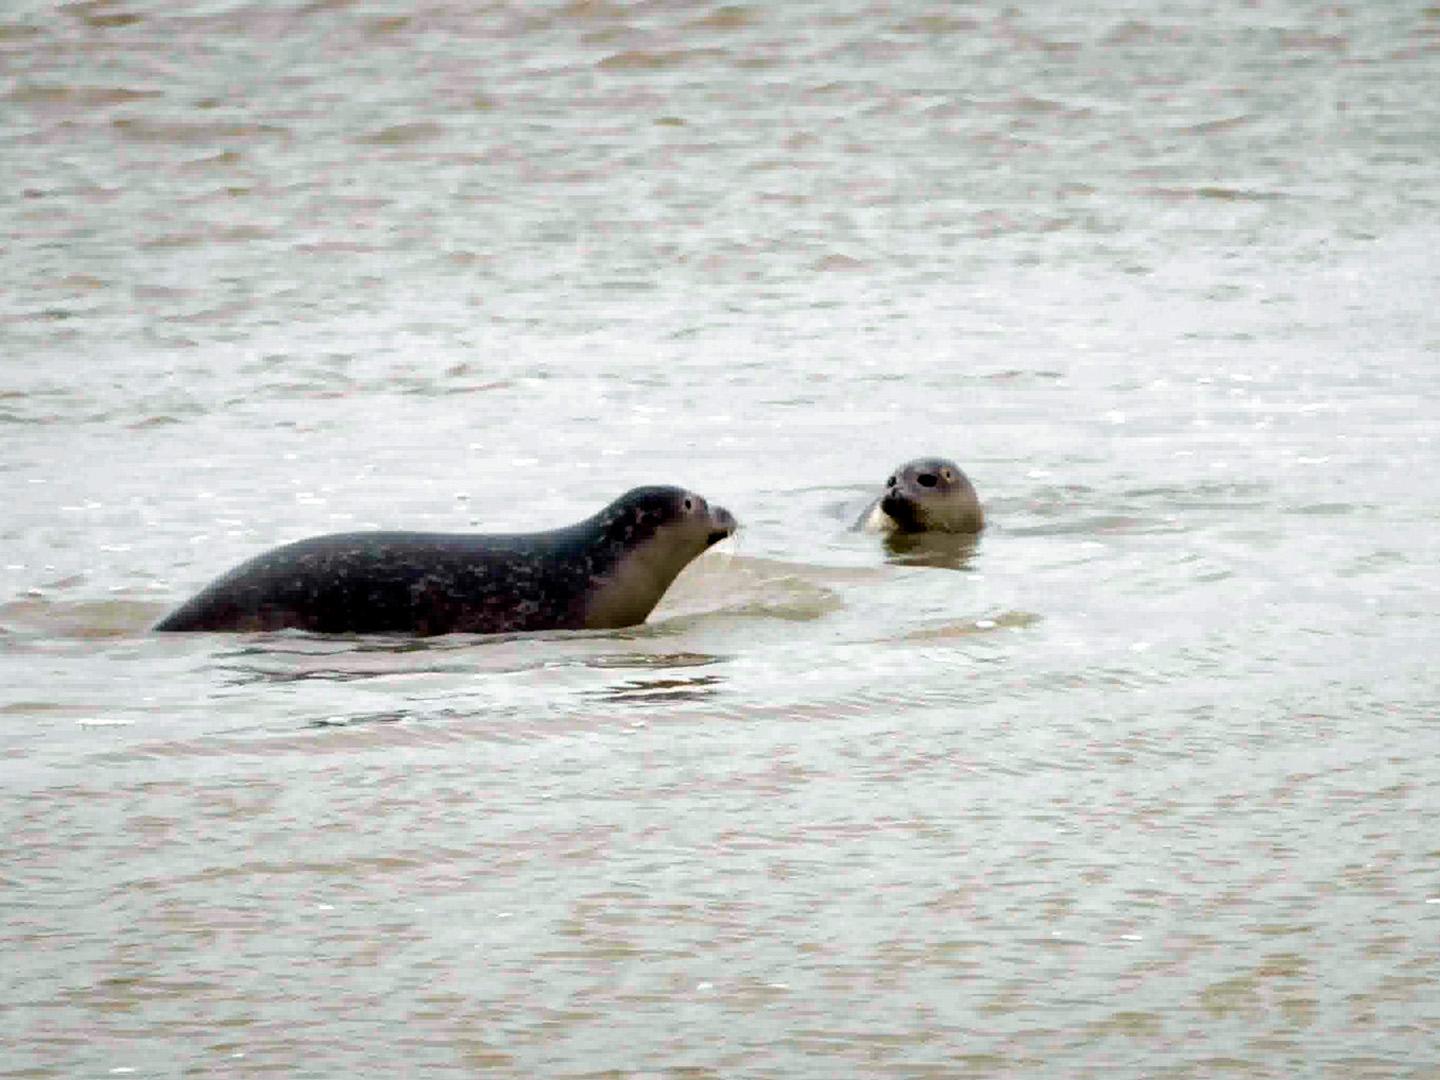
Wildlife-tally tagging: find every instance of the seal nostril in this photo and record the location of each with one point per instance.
(927, 479)
(890, 482)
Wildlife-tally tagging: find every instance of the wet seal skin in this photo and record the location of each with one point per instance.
(926, 495)
(607, 571)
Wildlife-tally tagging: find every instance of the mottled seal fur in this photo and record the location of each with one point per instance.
(925, 495)
(606, 571)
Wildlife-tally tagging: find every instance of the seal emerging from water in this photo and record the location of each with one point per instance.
(925, 495)
(606, 571)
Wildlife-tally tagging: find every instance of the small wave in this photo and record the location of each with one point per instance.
(728, 17)
(292, 656)
(102, 20)
(206, 235)
(969, 628)
(661, 691)
(656, 60)
(652, 661)
(1099, 525)
(78, 97)
(837, 261)
(190, 132)
(404, 134)
(1214, 127)
(1221, 194)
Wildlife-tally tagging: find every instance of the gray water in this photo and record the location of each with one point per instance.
(1144, 784)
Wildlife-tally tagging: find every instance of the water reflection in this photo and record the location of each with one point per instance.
(945, 551)
(670, 688)
(1100, 525)
(663, 691)
(296, 658)
(653, 660)
(291, 657)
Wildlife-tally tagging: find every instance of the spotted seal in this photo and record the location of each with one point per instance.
(925, 495)
(606, 571)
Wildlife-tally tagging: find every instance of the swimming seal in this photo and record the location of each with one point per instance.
(606, 571)
(925, 495)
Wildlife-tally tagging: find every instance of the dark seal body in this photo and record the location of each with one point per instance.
(925, 495)
(606, 571)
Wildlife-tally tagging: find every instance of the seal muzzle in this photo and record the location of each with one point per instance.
(902, 511)
(722, 524)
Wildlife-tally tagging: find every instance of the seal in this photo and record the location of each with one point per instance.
(929, 494)
(607, 571)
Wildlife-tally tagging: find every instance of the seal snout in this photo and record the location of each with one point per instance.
(901, 509)
(722, 524)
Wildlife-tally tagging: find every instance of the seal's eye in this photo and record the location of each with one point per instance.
(927, 479)
(688, 504)
(890, 482)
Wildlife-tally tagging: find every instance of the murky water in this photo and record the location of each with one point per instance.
(1143, 784)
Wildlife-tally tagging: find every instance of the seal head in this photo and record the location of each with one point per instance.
(929, 494)
(609, 570)
(651, 533)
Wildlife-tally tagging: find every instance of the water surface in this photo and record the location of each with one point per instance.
(1141, 784)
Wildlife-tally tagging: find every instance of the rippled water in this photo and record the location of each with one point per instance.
(1144, 783)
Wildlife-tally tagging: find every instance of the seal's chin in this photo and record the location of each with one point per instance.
(903, 512)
